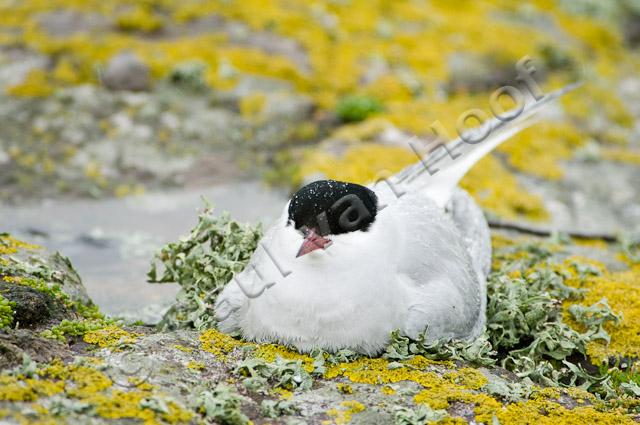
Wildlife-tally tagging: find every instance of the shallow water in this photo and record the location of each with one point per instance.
(111, 242)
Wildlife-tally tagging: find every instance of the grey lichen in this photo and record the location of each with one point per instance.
(223, 405)
(281, 373)
(277, 408)
(418, 416)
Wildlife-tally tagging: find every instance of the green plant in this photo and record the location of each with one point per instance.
(222, 404)
(287, 374)
(357, 108)
(189, 75)
(6, 312)
(202, 264)
(74, 328)
(277, 408)
(418, 416)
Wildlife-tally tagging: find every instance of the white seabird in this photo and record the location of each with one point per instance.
(345, 264)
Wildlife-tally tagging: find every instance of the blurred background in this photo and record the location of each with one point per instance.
(117, 116)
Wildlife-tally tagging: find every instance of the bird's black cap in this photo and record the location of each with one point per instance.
(332, 207)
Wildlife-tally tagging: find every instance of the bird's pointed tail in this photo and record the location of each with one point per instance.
(438, 173)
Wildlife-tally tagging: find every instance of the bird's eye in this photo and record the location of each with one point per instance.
(304, 231)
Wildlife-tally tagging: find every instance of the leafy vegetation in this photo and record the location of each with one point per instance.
(6, 312)
(222, 404)
(277, 408)
(202, 264)
(357, 108)
(189, 76)
(75, 328)
(281, 373)
(421, 415)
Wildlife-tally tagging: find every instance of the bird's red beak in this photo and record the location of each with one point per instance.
(312, 241)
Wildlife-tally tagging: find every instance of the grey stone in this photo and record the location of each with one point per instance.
(66, 22)
(126, 71)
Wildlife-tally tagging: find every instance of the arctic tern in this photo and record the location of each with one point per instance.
(346, 264)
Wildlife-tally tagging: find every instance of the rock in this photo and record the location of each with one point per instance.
(583, 199)
(126, 71)
(68, 278)
(65, 23)
(14, 344)
(15, 65)
(37, 305)
(632, 30)
(32, 306)
(475, 73)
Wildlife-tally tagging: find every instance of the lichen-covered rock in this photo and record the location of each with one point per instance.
(98, 370)
(18, 343)
(125, 71)
(33, 307)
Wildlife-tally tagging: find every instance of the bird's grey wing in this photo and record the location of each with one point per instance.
(436, 272)
(473, 227)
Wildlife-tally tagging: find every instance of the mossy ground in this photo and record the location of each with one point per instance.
(136, 374)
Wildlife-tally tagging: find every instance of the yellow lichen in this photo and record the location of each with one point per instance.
(140, 18)
(621, 290)
(497, 190)
(538, 150)
(591, 243)
(252, 106)
(363, 131)
(375, 371)
(422, 363)
(35, 84)
(463, 385)
(270, 352)
(141, 383)
(547, 412)
(110, 336)
(282, 393)
(344, 388)
(387, 390)
(197, 366)
(15, 389)
(344, 414)
(127, 405)
(621, 155)
(10, 245)
(86, 383)
(219, 344)
(359, 164)
(183, 348)
(467, 377)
